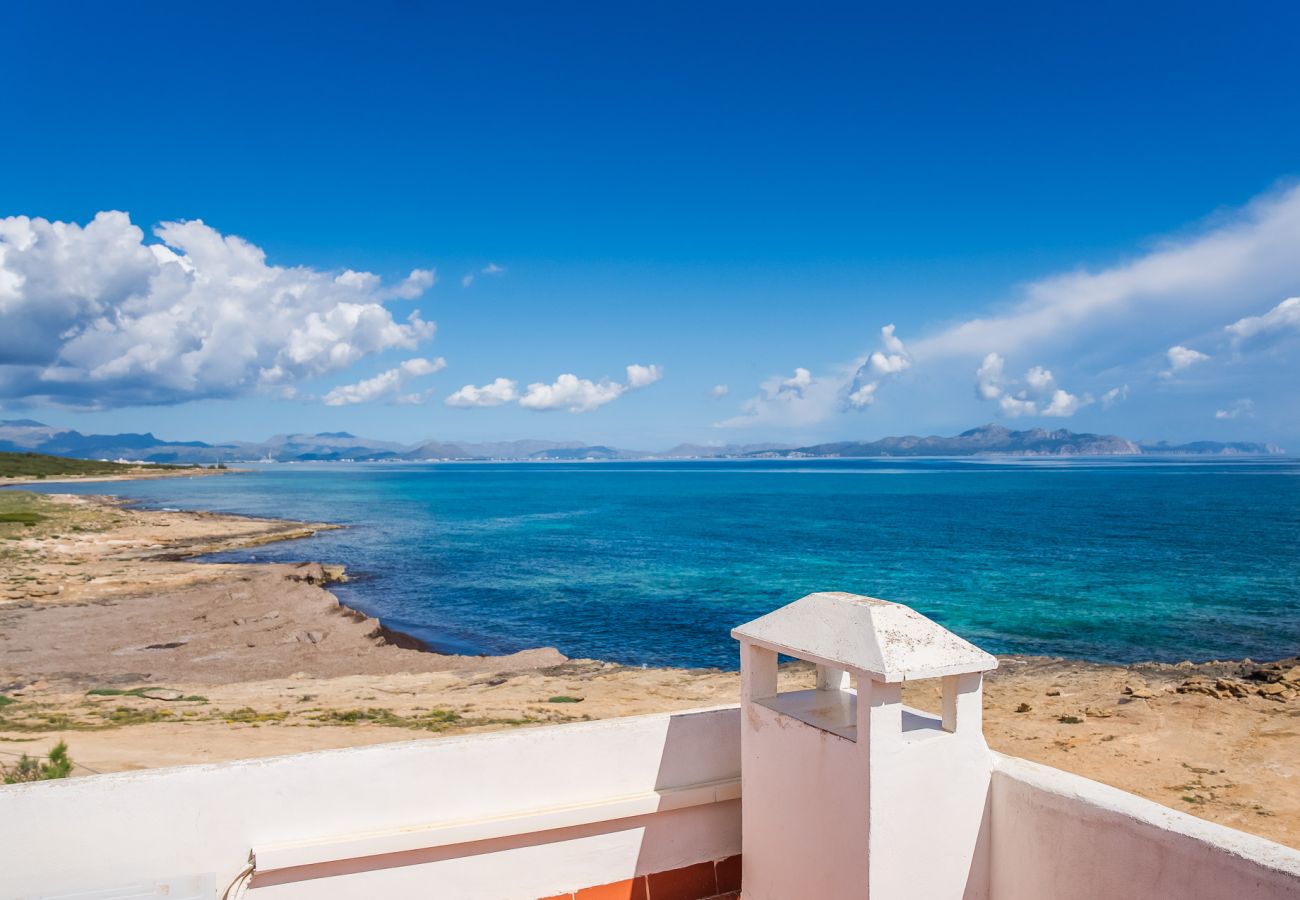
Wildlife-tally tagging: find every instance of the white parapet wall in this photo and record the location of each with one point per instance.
(523, 814)
(544, 812)
(1056, 835)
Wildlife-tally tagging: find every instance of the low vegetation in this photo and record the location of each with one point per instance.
(93, 714)
(431, 720)
(27, 517)
(144, 692)
(56, 764)
(40, 465)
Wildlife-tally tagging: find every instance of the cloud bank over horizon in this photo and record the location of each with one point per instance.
(103, 316)
(1204, 303)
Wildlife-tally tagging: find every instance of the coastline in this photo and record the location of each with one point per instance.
(140, 475)
(114, 639)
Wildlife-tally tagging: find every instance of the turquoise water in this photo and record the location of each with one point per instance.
(655, 562)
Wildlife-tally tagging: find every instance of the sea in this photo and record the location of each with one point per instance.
(653, 563)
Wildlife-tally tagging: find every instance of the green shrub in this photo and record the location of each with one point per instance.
(56, 765)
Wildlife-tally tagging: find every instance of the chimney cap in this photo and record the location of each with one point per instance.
(887, 641)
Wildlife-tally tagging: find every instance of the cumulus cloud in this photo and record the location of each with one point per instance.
(878, 367)
(386, 384)
(804, 399)
(502, 390)
(1239, 409)
(799, 399)
(567, 392)
(796, 383)
(412, 287)
(641, 376)
(1040, 380)
(1064, 404)
(720, 390)
(96, 317)
(1283, 317)
(863, 396)
(1036, 395)
(1181, 358)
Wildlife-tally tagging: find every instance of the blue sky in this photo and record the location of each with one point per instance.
(1080, 217)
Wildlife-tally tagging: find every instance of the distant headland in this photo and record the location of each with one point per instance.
(26, 435)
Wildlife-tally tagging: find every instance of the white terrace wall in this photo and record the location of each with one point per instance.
(1056, 835)
(546, 811)
(527, 813)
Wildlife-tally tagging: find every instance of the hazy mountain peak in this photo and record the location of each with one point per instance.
(986, 440)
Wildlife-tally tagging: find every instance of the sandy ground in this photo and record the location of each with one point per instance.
(111, 639)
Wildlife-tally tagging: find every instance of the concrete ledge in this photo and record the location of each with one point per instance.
(305, 853)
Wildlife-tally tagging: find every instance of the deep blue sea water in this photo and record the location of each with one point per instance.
(652, 562)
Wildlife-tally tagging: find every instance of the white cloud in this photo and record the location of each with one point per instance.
(412, 287)
(1188, 282)
(95, 317)
(893, 362)
(1243, 408)
(1040, 380)
(804, 399)
(888, 365)
(1181, 358)
(1015, 407)
(798, 400)
(720, 390)
(863, 396)
(892, 343)
(988, 377)
(877, 368)
(641, 376)
(489, 269)
(1036, 395)
(796, 384)
(569, 392)
(414, 368)
(1284, 316)
(1110, 320)
(386, 384)
(1064, 404)
(502, 390)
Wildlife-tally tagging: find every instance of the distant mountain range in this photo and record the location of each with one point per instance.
(989, 440)
(995, 440)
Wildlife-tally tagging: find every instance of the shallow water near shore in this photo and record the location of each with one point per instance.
(654, 562)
